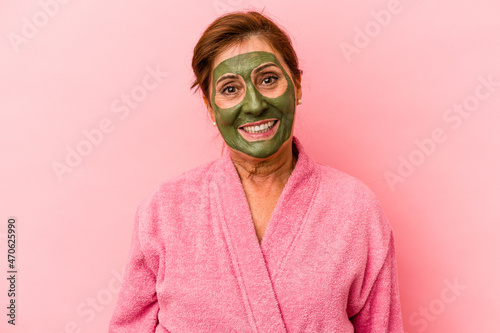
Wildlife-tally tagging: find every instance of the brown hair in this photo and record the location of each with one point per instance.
(232, 29)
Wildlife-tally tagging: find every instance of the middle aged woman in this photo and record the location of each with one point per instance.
(263, 239)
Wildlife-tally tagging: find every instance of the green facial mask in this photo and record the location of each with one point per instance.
(246, 94)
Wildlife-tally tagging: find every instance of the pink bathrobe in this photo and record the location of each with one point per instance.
(326, 262)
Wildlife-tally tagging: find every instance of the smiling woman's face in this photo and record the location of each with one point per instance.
(253, 98)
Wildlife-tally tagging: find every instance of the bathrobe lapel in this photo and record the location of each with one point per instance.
(290, 214)
(256, 265)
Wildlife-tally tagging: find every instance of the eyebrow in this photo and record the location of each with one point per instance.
(256, 71)
(227, 76)
(260, 69)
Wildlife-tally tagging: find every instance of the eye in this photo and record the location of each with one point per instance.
(229, 90)
(269, 80)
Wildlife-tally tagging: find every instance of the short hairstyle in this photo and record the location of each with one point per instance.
(234, 28)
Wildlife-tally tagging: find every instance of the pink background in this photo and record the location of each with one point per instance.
(64, 73)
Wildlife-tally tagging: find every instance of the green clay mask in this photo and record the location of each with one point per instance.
(253, 99)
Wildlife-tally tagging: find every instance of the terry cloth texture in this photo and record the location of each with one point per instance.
(326, 262)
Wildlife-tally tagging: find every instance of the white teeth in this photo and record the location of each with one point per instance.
(259, 129)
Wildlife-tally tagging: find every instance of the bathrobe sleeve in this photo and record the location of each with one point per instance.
(137, 306)
(381, 312)
(376, 295)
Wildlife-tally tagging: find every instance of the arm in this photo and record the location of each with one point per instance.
(381, 312)
(137, 306)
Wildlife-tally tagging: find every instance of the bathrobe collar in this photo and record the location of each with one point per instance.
(254, 261)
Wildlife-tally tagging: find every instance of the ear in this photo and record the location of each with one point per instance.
(298, 88)
(209, 109)
(299, 93)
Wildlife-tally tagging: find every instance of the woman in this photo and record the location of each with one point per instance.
(263, 239)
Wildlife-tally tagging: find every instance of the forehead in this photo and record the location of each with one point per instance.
(244, 63)
(251, 44)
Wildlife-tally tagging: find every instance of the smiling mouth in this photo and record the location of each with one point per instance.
(260, 127)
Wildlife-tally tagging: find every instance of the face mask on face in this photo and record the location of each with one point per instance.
(253, 88)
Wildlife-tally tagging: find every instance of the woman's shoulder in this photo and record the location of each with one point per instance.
(192, 177)
(343, 183)
(349, 194)
(334, 182)
(182, 186)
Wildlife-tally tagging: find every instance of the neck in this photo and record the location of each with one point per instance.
(275, 168)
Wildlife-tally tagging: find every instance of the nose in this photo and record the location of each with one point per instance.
(253, 102)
